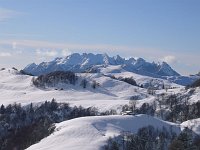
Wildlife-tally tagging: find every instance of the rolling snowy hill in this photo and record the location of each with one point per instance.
(112, 93)
(91, 133)
(15, 87)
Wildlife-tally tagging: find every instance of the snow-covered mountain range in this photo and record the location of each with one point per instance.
(87, 62)
(95, 63)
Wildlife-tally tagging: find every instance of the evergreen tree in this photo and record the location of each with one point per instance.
(84, 83)
(54, 105)
(163, 86)
(186, 138)
(176, 145)
(2, 109)
(94, 84)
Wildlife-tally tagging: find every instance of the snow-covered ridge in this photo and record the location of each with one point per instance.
(91, 133)
(85, 62)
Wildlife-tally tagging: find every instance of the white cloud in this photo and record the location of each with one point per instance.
(46, 53)
(5, 54)
(22, 35)
(169, 59)
(65, 52)
(19, 52)
(6, 14)
(14, 45)
(100, 48)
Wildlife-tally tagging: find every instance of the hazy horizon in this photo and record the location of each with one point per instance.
(36, 31)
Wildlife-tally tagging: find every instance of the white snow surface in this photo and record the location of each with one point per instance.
(111, 94)
(92, 133)
(141, 79)
(193, 124)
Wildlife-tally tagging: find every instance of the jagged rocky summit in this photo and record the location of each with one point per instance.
(88, 62)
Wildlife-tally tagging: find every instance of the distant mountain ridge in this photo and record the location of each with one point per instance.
(86, 62)
(98, 63)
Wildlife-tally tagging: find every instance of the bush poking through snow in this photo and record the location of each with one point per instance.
(84, 83)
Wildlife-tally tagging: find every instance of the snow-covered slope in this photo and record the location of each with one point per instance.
(194, 125)
(111, 93)
(88, 62)
(146, 81)
(91, 133)
(118, 69)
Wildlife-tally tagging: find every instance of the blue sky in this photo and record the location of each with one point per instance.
(157, 30)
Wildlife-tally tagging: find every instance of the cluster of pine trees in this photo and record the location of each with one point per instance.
(21, 127)
(149, 138)
(196, 83)
(61, 77)
(54, 78)
(128, 80)
(173, 108)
